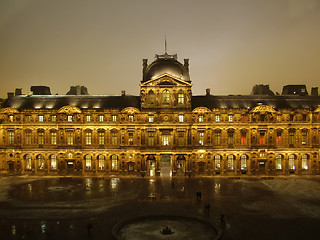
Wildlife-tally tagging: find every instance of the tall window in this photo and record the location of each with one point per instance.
(243, 138)
(217, 118)
(114, 162)
(88, 162)
(41, 138)
(291, 137)
(11, 137)
(53, 164)
(40, 161)
(279, 162)
(150, 118)
(217, 162)
(28, 118)
(130, 138)
(243, 162)
(130, 118)
(181, 138)
(262, 138)
(114, 138)
(165, 97)
(88, 138)
(88, 118)
(40, 118)
(28, 161)
(217, 138)
(150, 97)
(230, 117)
(291, 162)
(69, 118)
(230, 138)
(230, 162)
(101, 138)
(165, 140)
(10, 118)
(180, 118)
(114, 118)
(304, 137)
(304, 162)
(150, 139)
(201, 138)
(28, 137)
(279, 138)
(101, 162)
(53, 138)
(70, 138)
(101, 118)
(180, 97)
(53, 118)
(200, 118)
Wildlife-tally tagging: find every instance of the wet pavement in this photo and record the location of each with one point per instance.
(87, 208)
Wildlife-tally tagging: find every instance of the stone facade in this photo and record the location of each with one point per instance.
(164, 131)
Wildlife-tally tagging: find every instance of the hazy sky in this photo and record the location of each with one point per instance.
(232, 45)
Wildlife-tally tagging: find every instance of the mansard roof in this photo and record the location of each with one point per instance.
(56, 102)
(251, 101)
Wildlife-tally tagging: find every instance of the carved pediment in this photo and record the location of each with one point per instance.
(317, 110)
(130, 110)
(201, 110)
(165, 80)
(263, 109)
(8, 110)
(69, 110)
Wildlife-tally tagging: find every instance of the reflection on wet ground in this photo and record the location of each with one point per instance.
(88, 208)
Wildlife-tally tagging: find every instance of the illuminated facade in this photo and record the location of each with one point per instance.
(163, 131)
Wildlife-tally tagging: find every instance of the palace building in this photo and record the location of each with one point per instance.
(165, 131)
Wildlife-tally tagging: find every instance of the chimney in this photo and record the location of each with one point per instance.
(18, 92)
(186, 64)
(123, 93)
(208, 91)
(314, 91)
(10, 94)
(144, 65)
(78, 90)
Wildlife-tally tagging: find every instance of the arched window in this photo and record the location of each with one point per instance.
(101, 162)
(304, 162)
(114, 162)
(291, 162)
(217, 162)
(243, 162)
(53, 164)
(150, 97)
(180, 97)
(279, 161)
(230, 162)
(88, 162)
(165, 97)
(40, 161)
(27, 157)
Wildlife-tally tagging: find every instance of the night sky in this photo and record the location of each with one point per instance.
(232, 45)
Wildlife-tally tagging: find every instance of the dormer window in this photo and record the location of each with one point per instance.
(200, 118)
(88, 118)
(166, 97)
(180, 97)
(150, 118)
(40, 118)
(69, 118)
(130, 118)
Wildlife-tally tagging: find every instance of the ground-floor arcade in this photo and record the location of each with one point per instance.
(159, 163)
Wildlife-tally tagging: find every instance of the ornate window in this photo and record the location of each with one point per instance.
(217, 138)
(279, 138)
(70, 137)
(181, 139)
(165, 97)
(304, 162)
(53, 138)
(11, 137)
(217, 162)
(291, 137)
(230, 162)
(114, 138)
(101, 162)
(53, 118)
(151, 139)
(88, 162)
(28, 137)
(114, 118)
(279, 162)
(28, 161)
(150, 97)
(200, 118)
(114, 162)
(53, 163)
(291, 162)
(165, 140)
(40, 137)
(150, 118)
(40, 161)
(217, 117)
(230, 137)
(88, 138)
(304, 137)
(88, 118)
(130, 138)
(230, 118)
(69, 118)
(243, 162)
(180, 97)
(40, 118)
(101, 118)
(181, 118)
(243, 138)
(101, 137)
(201, 138)
(130, 118)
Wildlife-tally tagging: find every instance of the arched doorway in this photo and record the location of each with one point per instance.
(151, 161)
(166, 170)
(181, 165)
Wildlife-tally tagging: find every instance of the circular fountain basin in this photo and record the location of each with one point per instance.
(152, 226)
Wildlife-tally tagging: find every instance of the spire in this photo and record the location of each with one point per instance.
(165, 44)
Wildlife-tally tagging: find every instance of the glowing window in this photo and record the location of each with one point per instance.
(114, 118)
(291, 162)
(130, 118)
(200, 118)
(304, 162)
(243, 138)
(217, 118)
(101, 118)
(41, 138)
(101, 162)
(230, 162)
(180, 118)
(28, 161)
(40, 161)
(53, 118)
(180, 97)
(243, 162)
(11, 137)
(201, 138)
(88, 138)
(28, 138)
(88, 162)
(217, 162)
(53, 163)
(53, 138)
(150, 118)
(40, 118)
(114, 138)
(165, 140)
(70, 138)
(130, 138)
(230, 117)
(279, 162)
(114, 162)
(165, 97)
(88, 118)
(101, 138)
(69, 118)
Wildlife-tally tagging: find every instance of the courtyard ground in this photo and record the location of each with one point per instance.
(88, 207)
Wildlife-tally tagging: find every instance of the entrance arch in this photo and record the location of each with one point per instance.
(181, 165)
(151, 164)
(166, 170)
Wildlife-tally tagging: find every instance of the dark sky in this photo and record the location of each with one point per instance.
(232, 45)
